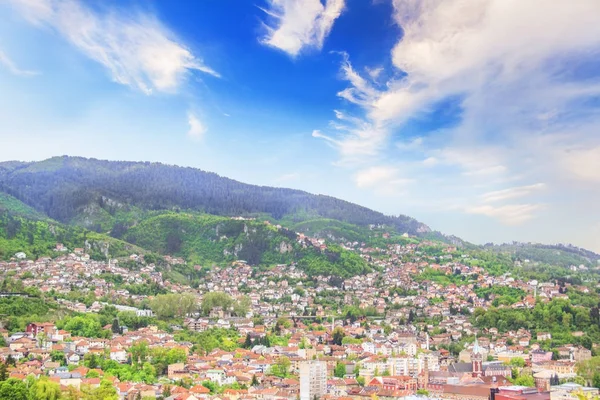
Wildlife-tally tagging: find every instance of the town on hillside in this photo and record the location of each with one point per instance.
(427, 322)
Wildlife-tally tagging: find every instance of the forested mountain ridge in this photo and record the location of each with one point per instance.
(561, 255)
(39, 237)
(64, 187)
(200, 239)
(187, 213)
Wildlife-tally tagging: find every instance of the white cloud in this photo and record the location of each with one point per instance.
(197, 128)
(375, 175)
(12, 67)
(374, 73)
(430, 161)
(511, 193)
(385, 180)
(300, 23)
(136, 48)
(583, 163)
(510, 214)
(521, 78)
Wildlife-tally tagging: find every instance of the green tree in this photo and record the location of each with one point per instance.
(115, 328)
(91, 360)
(139, 352)
(248, 341)
(45, 389)
(92, 374)
(517, 362)
(524, 380)
(281, 367)
(340, 370)
(13, 389)
(213, 300)
(106, 391)
(173, 305)
(596, 379)
(338, 335)
(3, 372)
(242, 306)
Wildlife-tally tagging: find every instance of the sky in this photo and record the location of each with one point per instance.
(479, 118)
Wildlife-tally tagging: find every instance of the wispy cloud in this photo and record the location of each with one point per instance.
(524, 113)
(511, 193)
(583, 163)
(299, 24)
(197, 129)
(510, 214)
(12, 67)
(137, 49)
(384, 179)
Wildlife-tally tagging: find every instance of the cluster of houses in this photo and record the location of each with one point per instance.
(387, 354)
(397, 365)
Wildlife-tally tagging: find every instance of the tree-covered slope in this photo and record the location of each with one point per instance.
(208, 239)
(14, 206)
(64, 187)
(38, 237)
(556, 255)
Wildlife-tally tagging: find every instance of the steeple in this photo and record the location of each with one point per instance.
(476, 348)
(477, 359)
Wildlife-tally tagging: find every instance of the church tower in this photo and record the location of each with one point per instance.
(477, 359)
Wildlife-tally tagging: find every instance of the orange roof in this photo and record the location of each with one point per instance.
(199, 389)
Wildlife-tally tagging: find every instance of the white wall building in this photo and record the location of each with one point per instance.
(313, 379)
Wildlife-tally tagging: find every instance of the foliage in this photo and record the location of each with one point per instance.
(589, 368)
(338, 336)
(62, 186)
(340, 370)
(174, 305)
(281, 368)
(45, 389)
(37, 238)
(558, 316)
(207, 341)
(86, 325)
(441, 277)
(503, 295)
(332, 261)
(13, 389)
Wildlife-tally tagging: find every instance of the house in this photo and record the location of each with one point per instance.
(544, 336)
(118, 355)
(69, 379)
(200, 391)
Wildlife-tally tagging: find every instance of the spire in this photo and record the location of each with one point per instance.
(476, 348)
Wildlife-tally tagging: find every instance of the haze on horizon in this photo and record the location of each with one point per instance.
(478, 118)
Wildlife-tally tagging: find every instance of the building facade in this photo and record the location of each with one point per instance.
(313, 379)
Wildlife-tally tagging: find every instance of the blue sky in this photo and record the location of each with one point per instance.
(479, 118)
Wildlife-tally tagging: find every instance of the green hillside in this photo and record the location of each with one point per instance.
(207, 239)
(65, 187)
(37, 238)
(14, 206)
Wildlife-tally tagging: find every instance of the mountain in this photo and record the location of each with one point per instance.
(82, 191)
(151, 208)
(39, 237)
(559, 254)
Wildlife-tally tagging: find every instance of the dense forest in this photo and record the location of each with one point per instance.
(559, 255)
(63, 187)
(150, 207)
(38, 238)
(198, 238)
